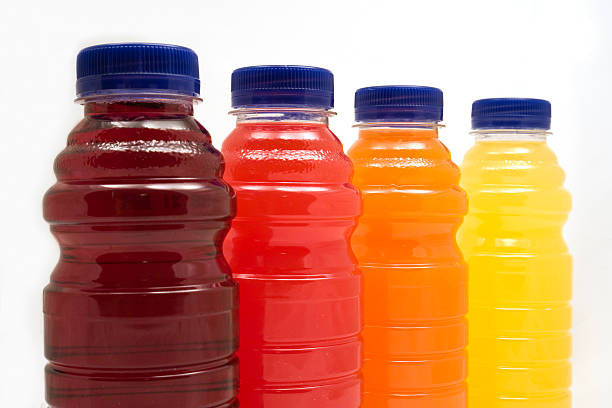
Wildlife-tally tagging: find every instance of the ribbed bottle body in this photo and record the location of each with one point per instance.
(141, 309)
(289, 250)
(520, 274)
(415, 294)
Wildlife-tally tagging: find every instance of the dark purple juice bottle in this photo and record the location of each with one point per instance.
(141, 310)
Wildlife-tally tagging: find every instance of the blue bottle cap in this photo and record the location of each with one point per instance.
(137, 68)
(511, 113)
(398, 103)
(282, 86)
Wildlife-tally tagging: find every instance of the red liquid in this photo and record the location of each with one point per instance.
(289, 250)
(140, 310)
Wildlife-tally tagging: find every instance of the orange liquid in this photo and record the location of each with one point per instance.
(415, 290)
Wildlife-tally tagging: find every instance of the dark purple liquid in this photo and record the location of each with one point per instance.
(140, 310)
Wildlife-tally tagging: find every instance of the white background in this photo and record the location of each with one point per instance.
(557, 50)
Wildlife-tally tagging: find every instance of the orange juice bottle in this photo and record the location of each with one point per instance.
(415, 293)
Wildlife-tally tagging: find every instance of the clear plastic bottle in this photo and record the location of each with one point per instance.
(289, 244)
(520, 268)
(141, 310)
(415, 279)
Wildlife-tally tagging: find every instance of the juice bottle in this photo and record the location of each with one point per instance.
(141, 310)
(520, 268)
(289, 244)
(414, 293)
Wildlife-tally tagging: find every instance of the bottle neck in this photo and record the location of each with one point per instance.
(399, 129)
(500, 135)
(284, 115)
(134, 108)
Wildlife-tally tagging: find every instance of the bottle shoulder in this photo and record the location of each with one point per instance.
(91, 129)
(147, 148)
(530, 163)
(281, 136)
(409, 161)
(285, 152)
(141, 170)
(515, 177)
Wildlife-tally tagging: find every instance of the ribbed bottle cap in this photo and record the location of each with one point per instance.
(511, 113)
(282, 86)
(137, 67)
(398, 103)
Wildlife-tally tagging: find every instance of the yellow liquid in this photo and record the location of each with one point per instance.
(519, 275)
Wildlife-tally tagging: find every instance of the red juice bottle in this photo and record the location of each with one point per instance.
(289, 245)
(141, 310)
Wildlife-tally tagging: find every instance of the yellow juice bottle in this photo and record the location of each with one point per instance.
(519, 266)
